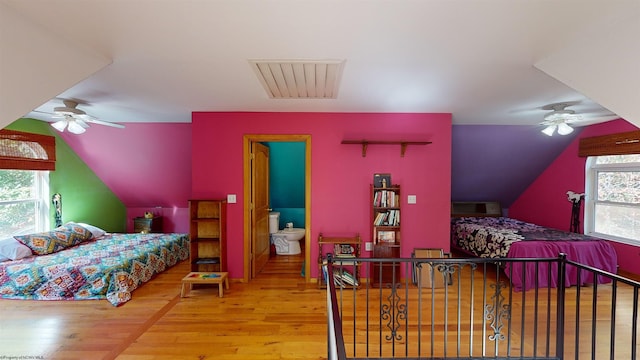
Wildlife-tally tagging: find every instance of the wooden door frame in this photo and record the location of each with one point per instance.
(247, 140)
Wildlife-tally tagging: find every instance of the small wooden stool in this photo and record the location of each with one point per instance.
(204, 278)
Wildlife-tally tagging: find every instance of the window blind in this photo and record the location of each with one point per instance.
(613, 144)
(25, 151)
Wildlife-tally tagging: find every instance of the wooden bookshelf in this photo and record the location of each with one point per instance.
(208, 235)
(385, 232)
(344, 250)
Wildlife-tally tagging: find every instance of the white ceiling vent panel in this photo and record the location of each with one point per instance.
(299, 79)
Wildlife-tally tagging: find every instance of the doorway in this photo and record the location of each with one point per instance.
(251, 233)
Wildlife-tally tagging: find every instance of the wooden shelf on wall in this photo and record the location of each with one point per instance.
(403, 144)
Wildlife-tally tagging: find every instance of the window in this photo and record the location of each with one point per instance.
(24, 204)
(612, 199)
(25, 160)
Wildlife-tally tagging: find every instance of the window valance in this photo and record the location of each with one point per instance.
(613, 144)
(25, 151)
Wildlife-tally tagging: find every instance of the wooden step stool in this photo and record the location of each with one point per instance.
(204, 278)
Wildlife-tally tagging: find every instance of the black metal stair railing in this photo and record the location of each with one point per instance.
(466, 309)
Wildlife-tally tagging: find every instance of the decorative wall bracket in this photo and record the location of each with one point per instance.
(403, 144)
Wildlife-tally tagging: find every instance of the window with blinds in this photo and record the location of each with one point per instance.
(612, 196)
(25, 162)
(25, 151)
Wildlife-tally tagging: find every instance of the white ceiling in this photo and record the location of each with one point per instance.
(158, 61)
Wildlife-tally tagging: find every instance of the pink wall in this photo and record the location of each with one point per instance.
(174, 220)
(340, 176)
(145, 165)
(545, 201)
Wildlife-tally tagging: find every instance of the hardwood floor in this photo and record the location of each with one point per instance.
(275, 316)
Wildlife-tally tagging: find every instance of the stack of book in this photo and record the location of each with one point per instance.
(390, 218)
(342, 278)
(386, 198)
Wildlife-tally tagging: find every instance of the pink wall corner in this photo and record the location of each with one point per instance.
(545, 201)
(128, 161)
(340, 174)
(174, 220)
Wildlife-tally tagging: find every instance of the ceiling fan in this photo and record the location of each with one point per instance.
(562, 119)
(75, 120)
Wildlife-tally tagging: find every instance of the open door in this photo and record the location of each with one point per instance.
(260, 200)
(256, 201)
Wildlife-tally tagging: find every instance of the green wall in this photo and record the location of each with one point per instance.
(85, 198)
(286, 181)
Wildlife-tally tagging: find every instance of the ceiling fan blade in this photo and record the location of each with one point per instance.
(81, 123)
(560, 105)
(106, 123)
(586, 120)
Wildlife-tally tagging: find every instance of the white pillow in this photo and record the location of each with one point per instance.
(13, 249)
(96, 231)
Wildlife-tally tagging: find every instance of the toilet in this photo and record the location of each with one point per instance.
(287, 241)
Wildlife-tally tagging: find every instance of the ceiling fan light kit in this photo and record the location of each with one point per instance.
(59, 125)
(564, 129)
(75, 120)
(74, 126)
(549, 130)
(560, 118)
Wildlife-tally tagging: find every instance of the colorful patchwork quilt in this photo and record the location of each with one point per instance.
(108, 268)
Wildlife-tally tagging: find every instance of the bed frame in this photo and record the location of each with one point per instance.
(477, 230)
(473, 209)
(476, 208)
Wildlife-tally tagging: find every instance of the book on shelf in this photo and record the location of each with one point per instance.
(380, 217)
(343, 250)
(388, 218)
(387, 236)
(342, 277)
(386, 198)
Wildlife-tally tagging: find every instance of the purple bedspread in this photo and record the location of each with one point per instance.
(595, 253)
(491, 237)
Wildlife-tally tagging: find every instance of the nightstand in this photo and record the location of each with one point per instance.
(144, 225)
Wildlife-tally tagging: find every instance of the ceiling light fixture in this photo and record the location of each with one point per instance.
(549, 130)
(564, 129)
(60, 125)
(74, 126)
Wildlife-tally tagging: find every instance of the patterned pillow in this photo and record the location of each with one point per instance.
(55, 240)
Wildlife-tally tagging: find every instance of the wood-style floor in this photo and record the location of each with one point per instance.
(276, 316)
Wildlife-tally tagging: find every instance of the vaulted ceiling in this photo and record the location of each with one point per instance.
(494, 62)
(486, 62)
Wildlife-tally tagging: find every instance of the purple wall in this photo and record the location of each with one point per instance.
(498, 162)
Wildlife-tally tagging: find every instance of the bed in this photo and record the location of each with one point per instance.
(109, 267)
(486, 234)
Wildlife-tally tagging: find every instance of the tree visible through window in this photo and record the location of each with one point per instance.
(23, 202)
(612, 208)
